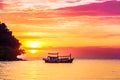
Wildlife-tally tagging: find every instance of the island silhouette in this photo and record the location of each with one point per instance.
(9, 45)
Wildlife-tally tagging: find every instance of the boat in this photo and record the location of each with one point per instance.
(55, 58)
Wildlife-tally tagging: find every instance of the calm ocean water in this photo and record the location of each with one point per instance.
(78, 70)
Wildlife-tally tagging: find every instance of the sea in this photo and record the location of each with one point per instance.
(80, 69)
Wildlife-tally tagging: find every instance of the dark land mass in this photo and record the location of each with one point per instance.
(9, 45)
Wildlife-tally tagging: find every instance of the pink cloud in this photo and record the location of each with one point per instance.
(1, 4)
(104, 8)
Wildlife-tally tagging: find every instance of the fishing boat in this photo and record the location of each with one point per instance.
(55, 58)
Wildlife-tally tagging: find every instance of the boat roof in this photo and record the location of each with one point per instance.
(53, 53)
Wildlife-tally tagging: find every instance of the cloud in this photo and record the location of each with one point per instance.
(88, 52)
(35, 37)
(73, 1)
(104, 8)
(19, 5)
(107, 36)
(31, 5)
(2, 4)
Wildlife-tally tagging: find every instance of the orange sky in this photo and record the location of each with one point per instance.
(56, 23)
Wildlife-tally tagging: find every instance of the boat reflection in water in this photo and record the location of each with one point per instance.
(55, 58)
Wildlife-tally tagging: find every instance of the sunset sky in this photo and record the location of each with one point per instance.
(85, 28)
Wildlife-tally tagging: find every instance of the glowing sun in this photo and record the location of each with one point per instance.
(33, 51)
(34, 44)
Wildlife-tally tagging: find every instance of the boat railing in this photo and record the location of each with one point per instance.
(57, 55)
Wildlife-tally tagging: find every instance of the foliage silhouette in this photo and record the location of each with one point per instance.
(9, 45)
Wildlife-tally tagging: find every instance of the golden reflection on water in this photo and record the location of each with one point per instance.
(78, 70)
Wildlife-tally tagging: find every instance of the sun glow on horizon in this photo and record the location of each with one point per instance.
(33, 51)
(33, 44)
(33, 47)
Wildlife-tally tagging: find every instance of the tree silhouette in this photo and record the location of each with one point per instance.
(9, 45)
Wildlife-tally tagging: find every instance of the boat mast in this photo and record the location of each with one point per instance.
(70, 56)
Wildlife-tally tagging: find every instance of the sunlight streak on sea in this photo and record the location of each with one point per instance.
(78, 70)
